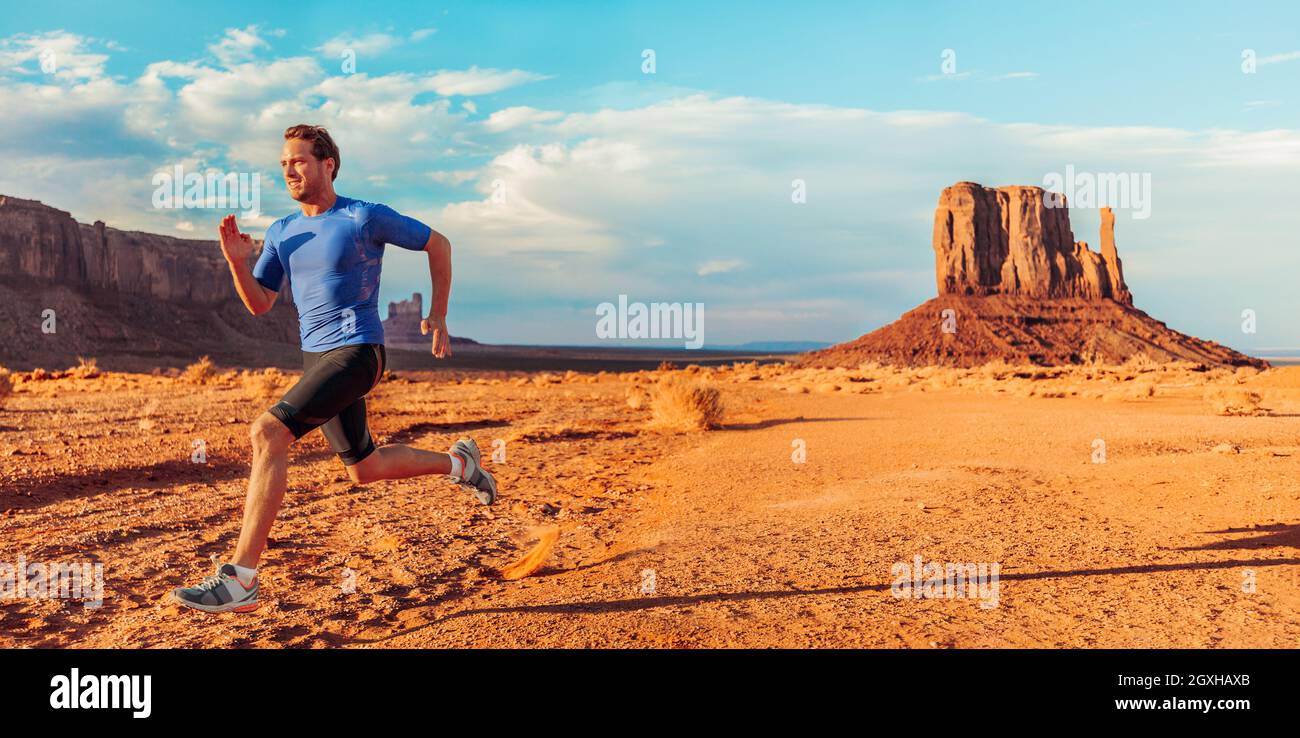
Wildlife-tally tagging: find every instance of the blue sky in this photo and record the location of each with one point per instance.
(675, 186)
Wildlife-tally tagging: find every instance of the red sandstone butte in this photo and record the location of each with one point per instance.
(1015, 286)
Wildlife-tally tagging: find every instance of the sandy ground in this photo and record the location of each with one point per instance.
(1120, 508)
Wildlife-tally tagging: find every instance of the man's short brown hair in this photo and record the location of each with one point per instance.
(322, 146)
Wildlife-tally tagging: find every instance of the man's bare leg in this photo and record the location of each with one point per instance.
(266, 485)
(396, 461)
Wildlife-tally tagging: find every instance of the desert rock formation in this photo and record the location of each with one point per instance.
(45, 244)
(402, 326)
(1017, 241)
(1015, 286)
(146, 299)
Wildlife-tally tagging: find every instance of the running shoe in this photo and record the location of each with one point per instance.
(473, 475)
(221, 592)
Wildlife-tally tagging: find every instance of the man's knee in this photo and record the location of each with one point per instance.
(268, 434)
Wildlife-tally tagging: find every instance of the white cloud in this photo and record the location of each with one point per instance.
(947, 77)
(1279, 58)
(475, 81)
(719, 266)
(1015, 75)
(504, 120)
(368, 45)
(54, 56)
(238, 45)
(454, 177)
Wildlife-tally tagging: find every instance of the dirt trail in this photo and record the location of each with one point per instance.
(680, 540)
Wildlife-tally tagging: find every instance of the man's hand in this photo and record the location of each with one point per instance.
(235, 245)
(441, 338)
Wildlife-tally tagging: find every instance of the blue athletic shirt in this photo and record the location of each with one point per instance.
(332, 261)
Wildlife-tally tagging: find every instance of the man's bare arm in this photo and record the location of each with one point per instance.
(237, 248)
(439, 250)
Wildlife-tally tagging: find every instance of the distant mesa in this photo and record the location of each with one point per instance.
(402, 326)
(1015, 286)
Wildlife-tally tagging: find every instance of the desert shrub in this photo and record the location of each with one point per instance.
(1140, 362)
(6, 385)
(85, 368)
(202, 371)
(636, 397)
(685, 405)
(264, 386)
(1233, 401)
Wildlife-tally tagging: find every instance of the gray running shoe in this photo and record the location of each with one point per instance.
(473, 476)
(221, 592)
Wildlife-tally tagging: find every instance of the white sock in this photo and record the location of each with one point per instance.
(245, 574)
(457, 466)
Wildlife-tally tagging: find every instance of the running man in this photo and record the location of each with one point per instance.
(331, 253)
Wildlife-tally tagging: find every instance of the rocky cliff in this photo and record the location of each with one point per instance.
(1015, 286)
(122, 293)
(42, 243)
(1018, 241)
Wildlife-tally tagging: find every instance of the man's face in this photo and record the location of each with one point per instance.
(305, 176)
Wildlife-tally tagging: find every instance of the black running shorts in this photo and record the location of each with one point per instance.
(331, 396)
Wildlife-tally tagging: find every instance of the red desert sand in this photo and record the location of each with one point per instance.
(1123, 507)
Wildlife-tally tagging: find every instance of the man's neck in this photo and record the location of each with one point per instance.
(320, 205)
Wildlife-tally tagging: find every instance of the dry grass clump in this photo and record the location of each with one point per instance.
(1130, 392)
(637, 397)
(682, 405)
(1233, 401)
(996, 369)
(85, 368)
(6, 385)
(896, 381)
(1142, 390)
(202, 371)
(264, 386)
(946, 378)
(1244, 373)
(1140, 363)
